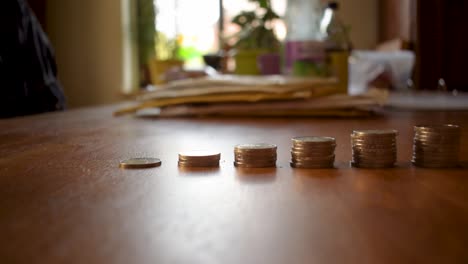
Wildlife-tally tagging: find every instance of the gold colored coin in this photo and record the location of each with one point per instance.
(446, 128)
(199, 154)
(310, 166)
(140, 163)
(198, 164)
(255, 147)
(375, 133)
(308, 158)
(371, 166)
(255, 165)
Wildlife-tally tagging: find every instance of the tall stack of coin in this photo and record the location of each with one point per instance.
(199, 158)
(436, 146)
(374, 148)
(259, 155)
(313, 152)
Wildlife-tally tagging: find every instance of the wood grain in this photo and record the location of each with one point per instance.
(63, 198)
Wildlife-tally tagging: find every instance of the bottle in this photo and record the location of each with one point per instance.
(305, 53)
(337, 44)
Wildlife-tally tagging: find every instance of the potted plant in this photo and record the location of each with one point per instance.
(256, 36)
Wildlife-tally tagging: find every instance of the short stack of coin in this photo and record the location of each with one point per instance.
(313, 152)
(436, 146)
(259, 155)
(199, 158)
(374, 148)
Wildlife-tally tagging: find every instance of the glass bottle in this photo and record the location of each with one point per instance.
(305, 53)
(337, 43)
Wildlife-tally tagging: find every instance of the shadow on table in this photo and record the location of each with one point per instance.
(255, 175)
(198, 171)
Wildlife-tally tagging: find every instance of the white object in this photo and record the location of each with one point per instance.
(364, 66)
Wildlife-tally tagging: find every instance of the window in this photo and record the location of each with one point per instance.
(193, 27)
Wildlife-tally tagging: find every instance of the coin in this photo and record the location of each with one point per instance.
(309, 158)
(313, 139)
(446, 128)
(313, 152)
(140, 163)
(374, 133)
(199, 158)
(199, 154)
(371, 165)
(259, 155)
(374, 148)
(311, 166)
(436, 146)
(256, 165)
(197, 164)
(255, 147)
(434, 164)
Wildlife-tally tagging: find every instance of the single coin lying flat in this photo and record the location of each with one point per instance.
(140, 163)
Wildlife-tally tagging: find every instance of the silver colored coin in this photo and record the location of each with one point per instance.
(140, 163)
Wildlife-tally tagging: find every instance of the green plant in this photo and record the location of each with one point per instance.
(256, 28)
(166, 48)
(146, 30)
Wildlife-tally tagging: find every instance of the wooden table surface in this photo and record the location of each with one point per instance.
(63, 198)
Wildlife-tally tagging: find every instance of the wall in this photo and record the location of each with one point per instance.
(87, 37)
(94, 53)
(362, 16)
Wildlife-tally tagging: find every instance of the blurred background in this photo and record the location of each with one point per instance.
(102, 46)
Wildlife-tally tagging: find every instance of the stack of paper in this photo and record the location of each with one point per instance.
(254, 96)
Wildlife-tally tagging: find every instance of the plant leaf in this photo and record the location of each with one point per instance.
(244, 18)
(270, 15)
(261, 3)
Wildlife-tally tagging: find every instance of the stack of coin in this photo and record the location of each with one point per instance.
(313, 152)
(436, 146)
(199, 158)
(374, 148)
(259, 155)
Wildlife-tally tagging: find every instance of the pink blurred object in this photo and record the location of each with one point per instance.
(269, 64)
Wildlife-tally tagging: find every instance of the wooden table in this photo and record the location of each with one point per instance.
(63, 198)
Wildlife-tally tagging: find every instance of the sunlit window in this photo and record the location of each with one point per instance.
(192, 27)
